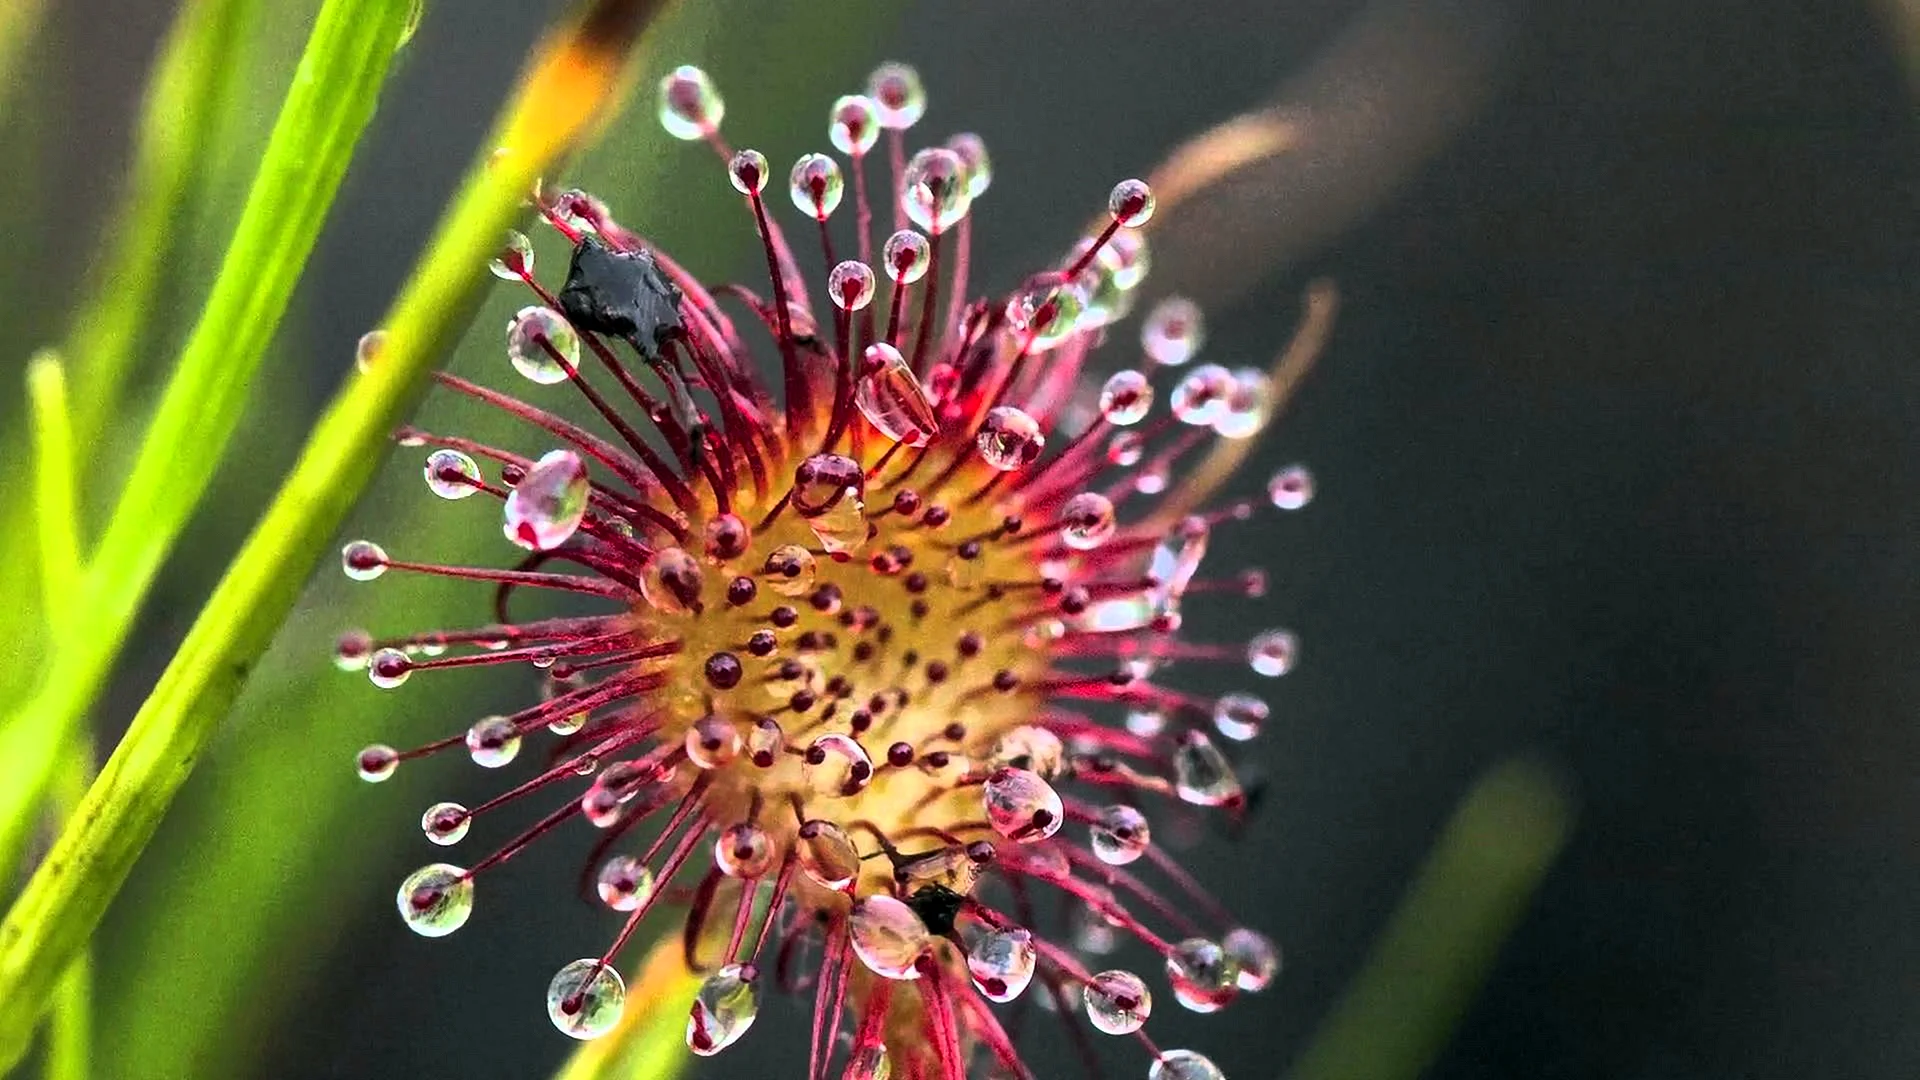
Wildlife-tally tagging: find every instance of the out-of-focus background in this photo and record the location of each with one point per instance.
(1618, 470)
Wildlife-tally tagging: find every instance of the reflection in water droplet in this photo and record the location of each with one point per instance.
(624, 883)
(436, 899)
(542, 345)
(887, 936)
(549, 502)
(585, 998)
(1118, 1002)
(723, 1009)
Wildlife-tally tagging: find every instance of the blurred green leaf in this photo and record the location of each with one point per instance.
(19, 29)
(55, 514)
(1436, 950)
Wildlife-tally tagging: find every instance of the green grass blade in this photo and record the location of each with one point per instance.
(1424, 970)
(326, 109)
(55, 508)
(19, 29)
(573, 76)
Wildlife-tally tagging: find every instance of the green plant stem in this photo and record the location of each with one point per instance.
(1436, 950)
(573, 77)
(19, 30)
(326, 109)
(69, 1054)
(56, 513)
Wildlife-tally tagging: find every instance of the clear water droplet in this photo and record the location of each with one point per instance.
(436, 899)
(765, 742)
(1183, 1065)
(887, 936)
(366, 351)
(351, 650)
(585, 998)
(690, 107)
(726, 537)
(816, 185)
(389, 668)
(624, 883)
(545, 508)
(1203, 976)
(363, 560)
(1030, 747)
(713, 742)
(973, 154)
(542, 345)
(906, 255)
(850, 285)
(1131, 203)
(892, 399)
(790, 570)
(1118, 1002)
(451, 474)
(1291, 488)
(1201, 774)
(827, 854)
(1239, 716)
(1089, 521)
(1126, 398)
(933, 190)
(1021, 806)
(838, 766)
(1126, 449)
(1146, 722)
(671, 581)
(1120, 836)
(446, 823)
(1255, 954)
(377, 763)
(898, 95)
(853, 124)
(744, 850)
(1273, 653)
(1046, 316)
(748, 171)
(828, 490)
(493, 741)
(1002, 963)
(1201, 397)
(723, 1009)
(1173, 331)
(515, 261)
(1010, 439)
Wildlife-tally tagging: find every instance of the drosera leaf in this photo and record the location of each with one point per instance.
(574, 75)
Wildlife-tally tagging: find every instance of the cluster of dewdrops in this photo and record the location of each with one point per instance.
(585, 998)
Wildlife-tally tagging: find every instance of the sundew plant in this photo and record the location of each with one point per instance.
(859, 609)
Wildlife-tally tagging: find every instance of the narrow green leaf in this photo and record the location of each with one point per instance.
(1399, 1011)
(55, 510)
(326, 109)
(19, 28)
(573, 77)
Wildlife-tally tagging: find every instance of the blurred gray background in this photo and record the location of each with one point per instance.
(1618, 466)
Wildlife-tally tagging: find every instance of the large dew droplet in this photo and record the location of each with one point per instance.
(1087, 521)
(1201, 398)
(451, 474)
(887, 936)
(1203, 976)
(363, 560)
(906, 256)
(973, 154)
(1173, 331)
(1021, 806)
(838, 766)
(1010, 439)
(1131, 203)
(515, 261)
(748, 172)
(850, 285)
(548, 503)
(542, 345)
(1002, 963)
(827, 854)
(671, 581)
(1273, 653)
(690, 107)
(1030, 747)
(436, 899)
(828, 490)
(446, 823)
(1046, 316)
(1118, 1002)
(1120, 836)
(898, 94)
(377, 763)
(816, 185)
(1291, 488)
(723, 1009)
(1239, 716)
(493, 741)
(1257, 957)
(1201, 774)
(1126, 398)
(712, 742)
(790, 570)
(366, 351)
(624, 883)
(892, 399)
(584, 999)
(933, 189)
(744, 850)
(853, 124)
(1183, 1065)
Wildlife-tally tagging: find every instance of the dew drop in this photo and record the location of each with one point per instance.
(726, 537)
(1120, 836)
(1126, 449)
(1118, 1002)
(493, 741)
(743, 850)
(748, 171)
(1088, 520)
(1010, 439)
(446, 823)
(972, 151)
(624, 883)
(1131, 203)
(723, 1009)
(670, 582)
(765, 742)
(1291, 488)
(1030, 747)
(827, 494)
(389, 668)
(1248, 405)
(580, 211)
(790, 570)
(584, 999)
(451, 474)
(712, 742)
(816, 185)
(1201, 774)
(1201, 398)
(363, 560)
(1046, 316)
(838, 766)
(850, 285)
(907, 255)
(1126, 398)
(1173, 331)
(892, 399)
(1183, 1065)
(1256, 956)
(436, 899)
(568, 724)
(897, 93)
(377, 763)
(1239, 716)
(534, 336)
(853, 124)
(827, 854)
(548, 503)
(1126, 257)
(869, 1063)
(515, 261)
(1147, 722)
(1273, 653)
(690, 107)
(351, 650)
(887, 936)
(933, 190)
(1203, 976)
(366, 351)
(1021, 806)
(1002, 963)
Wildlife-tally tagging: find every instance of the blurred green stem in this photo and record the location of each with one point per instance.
(1436, 950)
(70, 1028)
(327, 107)
(574, 76)
(19, 31)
